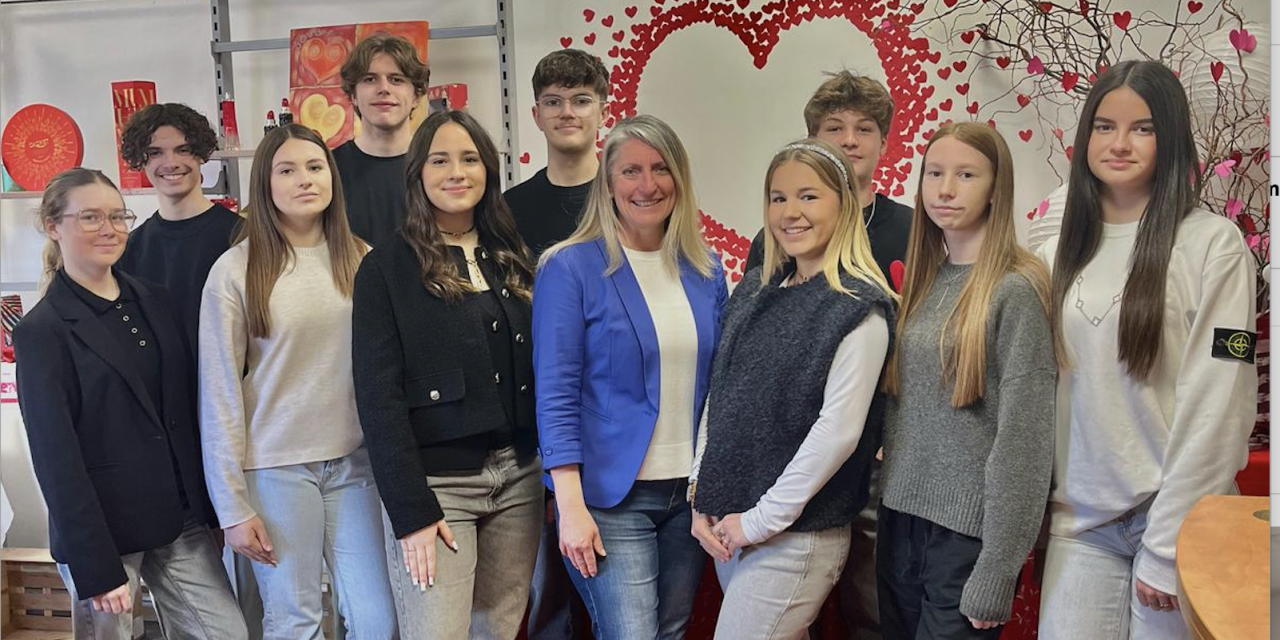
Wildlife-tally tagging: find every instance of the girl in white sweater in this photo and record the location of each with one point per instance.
(283, 449)
(1154, 299)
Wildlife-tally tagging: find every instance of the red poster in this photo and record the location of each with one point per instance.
(128, 97)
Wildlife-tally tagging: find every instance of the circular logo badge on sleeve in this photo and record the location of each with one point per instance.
(40, 141)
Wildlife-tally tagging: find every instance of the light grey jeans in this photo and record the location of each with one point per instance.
(192, 596)
(1088, 591)
(774, 590)
(318, 513)
(480, 590)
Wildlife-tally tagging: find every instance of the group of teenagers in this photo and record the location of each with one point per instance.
(467, 405)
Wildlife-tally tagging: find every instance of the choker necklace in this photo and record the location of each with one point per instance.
(458, 234)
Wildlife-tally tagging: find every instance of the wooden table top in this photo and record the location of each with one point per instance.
(1224, 568)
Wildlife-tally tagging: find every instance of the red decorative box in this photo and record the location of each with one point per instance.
(128, 97)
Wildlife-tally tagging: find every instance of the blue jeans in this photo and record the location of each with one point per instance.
(1089, 587)
(645, 585)
(316, 514)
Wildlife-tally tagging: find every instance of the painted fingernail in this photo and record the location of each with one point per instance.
(455, 545)
(423, 588)
(431, 581)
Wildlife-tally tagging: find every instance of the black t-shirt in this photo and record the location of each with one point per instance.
(545, 214)
(374, 188)
(178, 254)
(888, 230)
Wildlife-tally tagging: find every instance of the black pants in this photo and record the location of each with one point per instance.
(921, 569)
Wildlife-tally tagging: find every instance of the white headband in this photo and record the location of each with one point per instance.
(824, 153)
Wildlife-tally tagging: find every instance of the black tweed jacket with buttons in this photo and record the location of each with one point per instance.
(427, 391)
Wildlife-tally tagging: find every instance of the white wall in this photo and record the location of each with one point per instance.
(68, 53)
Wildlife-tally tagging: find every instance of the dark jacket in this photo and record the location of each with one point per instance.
(100, 445)
(424, 376)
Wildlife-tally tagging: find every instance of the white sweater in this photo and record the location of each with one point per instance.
(670, 453)
(276, 401)
(1182, 433)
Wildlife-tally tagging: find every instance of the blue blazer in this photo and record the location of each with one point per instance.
(596, 366)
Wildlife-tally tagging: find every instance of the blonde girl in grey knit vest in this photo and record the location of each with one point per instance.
(795, 414)
(969, 430)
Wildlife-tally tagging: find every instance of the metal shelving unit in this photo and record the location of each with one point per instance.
(222, 47)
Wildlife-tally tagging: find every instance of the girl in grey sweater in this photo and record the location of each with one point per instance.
(969, 430)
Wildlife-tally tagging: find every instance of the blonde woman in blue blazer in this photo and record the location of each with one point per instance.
(626, 317)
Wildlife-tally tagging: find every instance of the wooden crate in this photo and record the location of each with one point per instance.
(36, 604)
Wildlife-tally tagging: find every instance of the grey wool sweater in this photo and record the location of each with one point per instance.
(982, 470)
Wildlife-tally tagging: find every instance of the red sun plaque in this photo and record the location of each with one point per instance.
(40, 141)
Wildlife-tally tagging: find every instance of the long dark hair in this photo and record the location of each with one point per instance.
(269, 249)
(1175, 190)
(496, 227)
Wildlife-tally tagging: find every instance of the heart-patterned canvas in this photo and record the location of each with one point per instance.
(315, 82)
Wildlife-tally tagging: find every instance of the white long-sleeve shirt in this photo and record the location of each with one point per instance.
(851, 386)
(1182, 433)
(285, 399)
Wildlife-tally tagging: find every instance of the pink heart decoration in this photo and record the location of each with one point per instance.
(1216, 68)
(1243, 40)
(1254, 240)
(1035, 66)
(1042, 209)
(1223, 168)
(1234, 206)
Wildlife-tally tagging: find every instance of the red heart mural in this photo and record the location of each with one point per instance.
(902, 57)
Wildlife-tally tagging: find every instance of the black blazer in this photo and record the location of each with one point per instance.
(424, 375)
(99, 443)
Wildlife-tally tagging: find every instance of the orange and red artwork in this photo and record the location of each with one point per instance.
(316, 55)
(40, 141)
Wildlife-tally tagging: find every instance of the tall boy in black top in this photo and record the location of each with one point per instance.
(570, 88)
(177, 245)
(385, 79)
(854, 113)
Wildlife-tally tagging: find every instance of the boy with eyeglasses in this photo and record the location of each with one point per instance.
(177, 245)
(570, 87)
(385, 79)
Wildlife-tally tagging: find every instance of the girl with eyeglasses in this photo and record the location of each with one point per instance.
(107, 400)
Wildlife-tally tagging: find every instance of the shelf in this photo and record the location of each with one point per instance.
(19, 287)
(233, 154)
(272, 44)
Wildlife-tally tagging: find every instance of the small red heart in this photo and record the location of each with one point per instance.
(972, 108)
(933, 56)
(742, 4)
(566, 41)
(1084, 8)
(1003, 62)
(967, 37)
(897, 271)
(1023, 100)
(1025, 134)
(1068, 151)
(619, 35)
(1194, 6)
(944, 73)
(1031, 215)
(1093, 77)
(607, 21)
(962, 89)
(1122, 19)
(991, 123)
(1046, 7)
(917, 8)
(959, 65)
(1069, 80)
(950, 3)
(945, 105)
(932, 115)
(655, 10)
(588, 15)
(613, 52)
(630, 11)
(524, 158)
(590, 39)
(1216, 68)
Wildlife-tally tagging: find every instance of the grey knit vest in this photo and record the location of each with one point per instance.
(767, 381)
